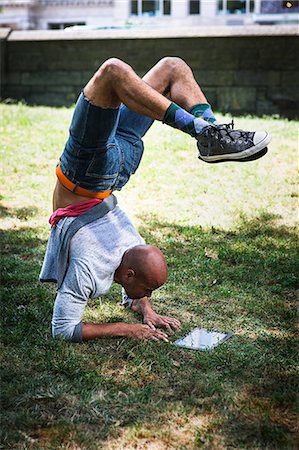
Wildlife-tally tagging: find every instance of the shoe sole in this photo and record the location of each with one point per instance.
(250, 154)
(249, 158)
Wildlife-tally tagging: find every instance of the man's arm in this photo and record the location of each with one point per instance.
(70, 302)
(151, 318)
(136, 331)
(66, 322)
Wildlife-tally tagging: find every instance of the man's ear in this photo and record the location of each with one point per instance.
(130, 274)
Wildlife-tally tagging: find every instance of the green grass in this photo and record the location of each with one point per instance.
(228, 232)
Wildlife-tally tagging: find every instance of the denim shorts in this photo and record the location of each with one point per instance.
(104, 147)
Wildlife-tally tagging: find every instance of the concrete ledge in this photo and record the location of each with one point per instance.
(4, 33)
(155, 33)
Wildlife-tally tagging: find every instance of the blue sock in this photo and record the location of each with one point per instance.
(204, 111)
(177, 117)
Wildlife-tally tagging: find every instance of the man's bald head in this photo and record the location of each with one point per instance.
(143, 269)
(147, 260)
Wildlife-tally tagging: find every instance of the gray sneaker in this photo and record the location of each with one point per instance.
(219, 143)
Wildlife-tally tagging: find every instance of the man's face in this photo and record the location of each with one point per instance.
(139, 288)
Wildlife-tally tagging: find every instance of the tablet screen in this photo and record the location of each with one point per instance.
(201, 339)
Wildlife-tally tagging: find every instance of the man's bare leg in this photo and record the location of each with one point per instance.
(115, 82)
(173, 78)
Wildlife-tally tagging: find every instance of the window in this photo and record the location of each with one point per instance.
(235, 6)
(134, 7)
(62, 26)
(194, 7)
(167, 7)
(150, 7)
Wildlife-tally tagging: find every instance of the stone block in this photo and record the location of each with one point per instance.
(237, 99)
(51, 99)
(3, 68)
(18, 61)
(271, 62)
(263, 104)
(290, 78)
(215, 77)
(13, 78)
(291, 52)
(211, 95)
(290, 93)
(51, 78)
(70, 89)
(286, 99)
(282, 52)
(248, 56)
(16, 92)
(257, 77)
(64, 64)
(261, 93)
(85, 76)
(250, 63)
(266, 107)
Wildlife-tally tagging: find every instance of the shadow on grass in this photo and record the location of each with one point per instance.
(256, 264)
(56, 394)
(25, 213)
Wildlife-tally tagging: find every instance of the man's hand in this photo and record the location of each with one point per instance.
(143, 332)
(154, 320)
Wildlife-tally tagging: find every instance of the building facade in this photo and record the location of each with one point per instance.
(61, 14)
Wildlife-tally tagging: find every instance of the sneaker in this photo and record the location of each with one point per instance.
(219, 143)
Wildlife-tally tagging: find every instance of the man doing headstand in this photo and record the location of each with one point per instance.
(104, 148)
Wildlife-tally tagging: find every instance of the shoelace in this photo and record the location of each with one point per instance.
(222, 130)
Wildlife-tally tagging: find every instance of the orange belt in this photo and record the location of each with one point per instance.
(77, 189)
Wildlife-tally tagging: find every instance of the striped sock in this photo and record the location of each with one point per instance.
(177, 117)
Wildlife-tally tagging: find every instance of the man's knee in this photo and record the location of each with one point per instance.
(173, 62)
(113, 68)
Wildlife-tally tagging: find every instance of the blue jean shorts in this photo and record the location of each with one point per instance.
(104, 147)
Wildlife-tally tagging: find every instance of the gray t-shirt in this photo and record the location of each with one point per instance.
(95, 253)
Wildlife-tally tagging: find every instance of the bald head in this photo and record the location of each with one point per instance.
(147, 261)
(142, 270)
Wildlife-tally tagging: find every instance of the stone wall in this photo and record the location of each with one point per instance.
(4, 33)
(242, 70)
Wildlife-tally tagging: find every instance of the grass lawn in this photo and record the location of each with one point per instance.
(228, 232)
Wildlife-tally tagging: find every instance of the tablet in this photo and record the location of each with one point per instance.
(202, 339)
